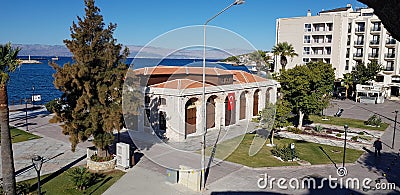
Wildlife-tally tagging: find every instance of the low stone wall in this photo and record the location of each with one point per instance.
(101, 166)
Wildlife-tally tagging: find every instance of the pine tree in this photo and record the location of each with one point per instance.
(92, 84)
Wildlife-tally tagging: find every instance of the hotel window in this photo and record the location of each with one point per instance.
(375, 40)
(348, 53)
(328, 50)
(319, 27)
(327, 60)
(360, 40)
(306, 60)
(306, 50)
(376, 26)
(347, 65)
(307, 27)
(329, 26)
(375, 52)
(360, 27)
(162, 101)
(329, 38)
(307, 39)
(348, 39)
(389, 66)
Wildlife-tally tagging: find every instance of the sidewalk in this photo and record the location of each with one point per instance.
(53, 146)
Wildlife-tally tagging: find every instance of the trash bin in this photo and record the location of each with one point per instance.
(172, 176)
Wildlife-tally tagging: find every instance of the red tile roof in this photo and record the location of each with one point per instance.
(180, 84)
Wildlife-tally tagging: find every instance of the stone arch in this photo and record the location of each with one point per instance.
(230, 111)
(243, 102)
(210, 111)
(255, 102)
(190, 116)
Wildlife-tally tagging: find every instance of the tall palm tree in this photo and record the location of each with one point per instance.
(8, 63)
(284, 50)
(348, 82)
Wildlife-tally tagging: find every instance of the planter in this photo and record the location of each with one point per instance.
(101, 166)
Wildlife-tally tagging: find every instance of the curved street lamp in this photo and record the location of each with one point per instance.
(37, 162)
(237, 2)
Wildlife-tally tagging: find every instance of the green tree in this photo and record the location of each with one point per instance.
(283, 112)
(307, 88)
(261, 60)
(348, 82)
(8, 63)
(284, 50)
(92, 85)
(362, 74)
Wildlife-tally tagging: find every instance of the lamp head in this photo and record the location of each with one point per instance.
(238, 2)
(37, 162)
(346, 127)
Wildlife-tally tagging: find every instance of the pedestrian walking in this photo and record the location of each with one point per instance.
(378, 147)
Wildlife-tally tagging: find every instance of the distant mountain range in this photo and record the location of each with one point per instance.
(147, 52)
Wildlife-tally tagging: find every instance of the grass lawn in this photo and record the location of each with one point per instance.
(18, 135)
(307, 151)
(355, 123)
(62, 184)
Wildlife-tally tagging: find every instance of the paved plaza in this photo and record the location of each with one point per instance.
(231, 178)
(53, 146)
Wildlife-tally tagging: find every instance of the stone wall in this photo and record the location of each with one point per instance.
(101, 166)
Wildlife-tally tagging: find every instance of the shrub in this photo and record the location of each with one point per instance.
(338, 135)
(97, 158)
(318, 128)
(23, 188)
(374, 120)
(294, 130)
(285, 153)
(360, 133)
(354, 138)
(82, 178)
(53, 105)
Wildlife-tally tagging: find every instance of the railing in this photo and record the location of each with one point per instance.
(376, 29)
(391, 41)
(389, 68)
(358, 55)
(389, 55)
(360, 29)
(374, 42)
(358, 42)
(373, 55)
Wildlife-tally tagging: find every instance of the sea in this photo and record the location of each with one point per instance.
(37, 79)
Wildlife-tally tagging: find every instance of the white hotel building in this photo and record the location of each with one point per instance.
(343, 37)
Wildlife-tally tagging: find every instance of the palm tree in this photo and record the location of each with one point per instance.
(8, 63)
(283, 50)
(348, 81)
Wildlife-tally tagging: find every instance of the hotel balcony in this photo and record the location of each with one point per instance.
(390, 43)
(358, 43)
(388, 68)
(374, 43)
(360, 30)
(375, 30)
(358, 55)
(390, 55)
(373, 55)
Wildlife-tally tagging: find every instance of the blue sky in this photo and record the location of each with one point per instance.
(140, 21)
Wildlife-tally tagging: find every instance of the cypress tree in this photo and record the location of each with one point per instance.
(92, 84)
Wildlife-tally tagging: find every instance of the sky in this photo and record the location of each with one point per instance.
(140, 21)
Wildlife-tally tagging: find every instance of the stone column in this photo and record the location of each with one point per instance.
(219, 111)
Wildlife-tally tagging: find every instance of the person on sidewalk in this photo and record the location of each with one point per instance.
(378, 147)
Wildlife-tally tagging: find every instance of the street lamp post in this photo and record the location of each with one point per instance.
(37, 162)
(394, 128)
(26, 114)
(203, 159)
(33, 96)
(345, 140)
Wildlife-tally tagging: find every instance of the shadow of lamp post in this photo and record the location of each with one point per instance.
(203, 159)
(37, 162)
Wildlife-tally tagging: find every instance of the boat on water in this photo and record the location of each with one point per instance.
(30, 61)
(54, 58)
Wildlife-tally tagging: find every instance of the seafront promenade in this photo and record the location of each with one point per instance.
(53, 146)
